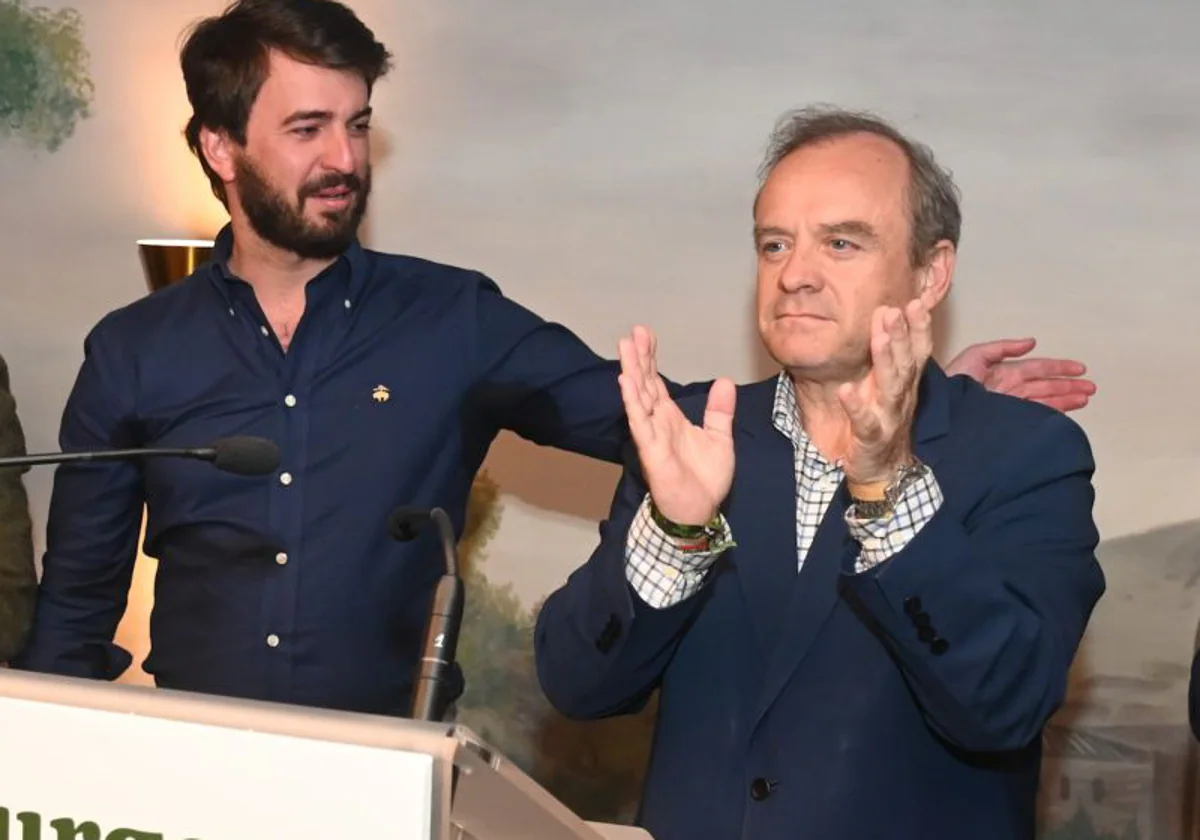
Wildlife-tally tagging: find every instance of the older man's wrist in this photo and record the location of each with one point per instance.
(873, 488)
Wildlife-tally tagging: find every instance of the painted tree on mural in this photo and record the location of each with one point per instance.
(45, 87)
(595, 768)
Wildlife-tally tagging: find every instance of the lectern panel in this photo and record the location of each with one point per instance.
(136, 763)
(101, 761)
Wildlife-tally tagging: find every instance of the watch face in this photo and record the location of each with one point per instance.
(907, 476)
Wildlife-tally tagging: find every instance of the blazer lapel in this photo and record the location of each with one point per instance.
(932, 422)
(813, 596)
(762, 511)
(815, 590)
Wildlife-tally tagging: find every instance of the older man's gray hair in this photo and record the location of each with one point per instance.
(932, 194)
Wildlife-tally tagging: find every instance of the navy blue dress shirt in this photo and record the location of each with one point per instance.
(289, 587)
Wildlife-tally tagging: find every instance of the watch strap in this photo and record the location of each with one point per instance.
(880, 499)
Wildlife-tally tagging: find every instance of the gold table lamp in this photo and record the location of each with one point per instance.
(168, 261)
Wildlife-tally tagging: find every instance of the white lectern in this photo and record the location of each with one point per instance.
(100, 761)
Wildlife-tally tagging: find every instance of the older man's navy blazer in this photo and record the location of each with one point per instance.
(1194, 696)
(907, 701)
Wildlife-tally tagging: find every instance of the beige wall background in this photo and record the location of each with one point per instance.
(598, 161)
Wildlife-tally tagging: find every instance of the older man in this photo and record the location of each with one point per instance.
(18, 578)
(861, 630)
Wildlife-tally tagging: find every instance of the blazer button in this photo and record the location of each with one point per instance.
(912, 605)
(760, 789)
(609, 635)
(926, 634)
(939, 646)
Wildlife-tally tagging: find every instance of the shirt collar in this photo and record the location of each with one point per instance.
(786, 419)
(785, 414)
(354, 258)
(932, 420)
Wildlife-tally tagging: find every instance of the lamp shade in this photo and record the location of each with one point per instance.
(168, 261)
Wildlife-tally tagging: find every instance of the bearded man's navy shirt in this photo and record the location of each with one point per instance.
(288, 587)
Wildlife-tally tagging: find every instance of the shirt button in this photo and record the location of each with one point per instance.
(273, 640)
(231, 312)
(346, 303)
(265, 331)
(281, 558)
(285, 479)
(289, 401)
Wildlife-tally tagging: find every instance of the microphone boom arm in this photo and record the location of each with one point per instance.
(431, 689)
(39, 459)
(239, 454)
(449, 542)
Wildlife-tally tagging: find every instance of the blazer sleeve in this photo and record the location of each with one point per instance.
(984, 611)
(18, 575)
(1194, 696)
(94, 523)
(599, 649)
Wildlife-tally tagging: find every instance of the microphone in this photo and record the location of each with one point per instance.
(431, 697)
(240, 455)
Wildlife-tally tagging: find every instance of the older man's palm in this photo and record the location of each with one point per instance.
(688, 468)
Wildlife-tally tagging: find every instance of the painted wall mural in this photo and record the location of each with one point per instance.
(45, 87)
(630, 156)
(595, 767)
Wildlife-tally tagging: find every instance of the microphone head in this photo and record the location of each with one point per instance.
(406, 523)
(246, 455)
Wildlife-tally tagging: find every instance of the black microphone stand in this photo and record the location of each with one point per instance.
(431, 691)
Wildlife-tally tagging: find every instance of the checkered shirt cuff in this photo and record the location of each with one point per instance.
(660, 570)
(882, 538)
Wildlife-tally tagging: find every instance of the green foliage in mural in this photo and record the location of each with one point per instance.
(595, 768)
(45, 88)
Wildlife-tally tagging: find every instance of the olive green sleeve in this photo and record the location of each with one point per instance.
(18, 577)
